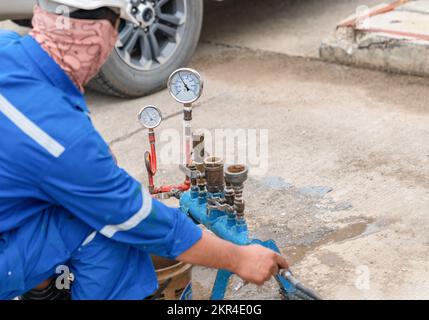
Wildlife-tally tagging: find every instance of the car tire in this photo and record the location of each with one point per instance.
(26, 23)
(128, 79)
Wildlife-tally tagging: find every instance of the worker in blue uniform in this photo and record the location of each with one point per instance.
(63, 198)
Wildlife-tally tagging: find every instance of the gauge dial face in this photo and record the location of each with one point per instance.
(185, 85)
(150, 117)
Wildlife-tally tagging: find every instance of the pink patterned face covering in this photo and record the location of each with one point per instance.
(79, 46)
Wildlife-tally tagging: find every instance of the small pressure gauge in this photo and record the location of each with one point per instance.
(185, 85)
(150, 117)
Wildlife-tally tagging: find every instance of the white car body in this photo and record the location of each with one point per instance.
(16, 9)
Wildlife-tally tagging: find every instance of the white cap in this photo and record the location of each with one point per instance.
(124, 7)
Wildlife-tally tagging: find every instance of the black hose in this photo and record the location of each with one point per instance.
(308, 292)
(158, 294)
(301, 291)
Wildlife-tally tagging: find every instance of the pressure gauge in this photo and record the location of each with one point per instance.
(185, 85)
(150, 117)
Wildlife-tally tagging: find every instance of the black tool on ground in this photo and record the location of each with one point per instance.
(295, 290)
(158, 294)
(51, 292)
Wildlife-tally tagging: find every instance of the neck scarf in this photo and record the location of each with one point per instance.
(79, 46)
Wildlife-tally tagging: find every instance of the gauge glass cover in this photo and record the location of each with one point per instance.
(150, 117)
(185, 85)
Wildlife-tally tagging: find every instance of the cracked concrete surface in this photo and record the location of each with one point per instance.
(362, 133)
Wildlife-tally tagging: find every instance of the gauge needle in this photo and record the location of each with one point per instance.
(187, 88)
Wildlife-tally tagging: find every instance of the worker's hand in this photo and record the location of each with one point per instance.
(254, 264)
(257, 264)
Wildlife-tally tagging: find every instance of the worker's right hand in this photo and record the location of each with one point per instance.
(257, 264)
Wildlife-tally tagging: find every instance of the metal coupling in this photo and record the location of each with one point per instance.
(213, 167)
(235, 176)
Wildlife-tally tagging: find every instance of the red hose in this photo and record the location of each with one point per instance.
(153, 169)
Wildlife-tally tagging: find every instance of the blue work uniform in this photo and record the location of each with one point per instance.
(63, 199)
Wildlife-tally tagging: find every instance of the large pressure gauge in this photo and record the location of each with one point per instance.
(150, 117)
(185, 85)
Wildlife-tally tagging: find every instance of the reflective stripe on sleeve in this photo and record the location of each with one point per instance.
(134, 221)
(89, 239)
(30, 128)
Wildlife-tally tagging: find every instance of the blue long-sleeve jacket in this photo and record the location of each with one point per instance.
(51, 155)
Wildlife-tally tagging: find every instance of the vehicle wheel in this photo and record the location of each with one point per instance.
(145, 57)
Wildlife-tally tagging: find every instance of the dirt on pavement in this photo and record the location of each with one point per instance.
(346, 195)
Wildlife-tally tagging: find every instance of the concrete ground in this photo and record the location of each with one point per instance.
(392, 37)
(361, 135)
(293, 27)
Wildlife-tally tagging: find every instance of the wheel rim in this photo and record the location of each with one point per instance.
(152, 45)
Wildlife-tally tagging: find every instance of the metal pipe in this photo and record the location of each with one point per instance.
(287, 274)
(213, 168)
(236, 175)
(187, 127)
